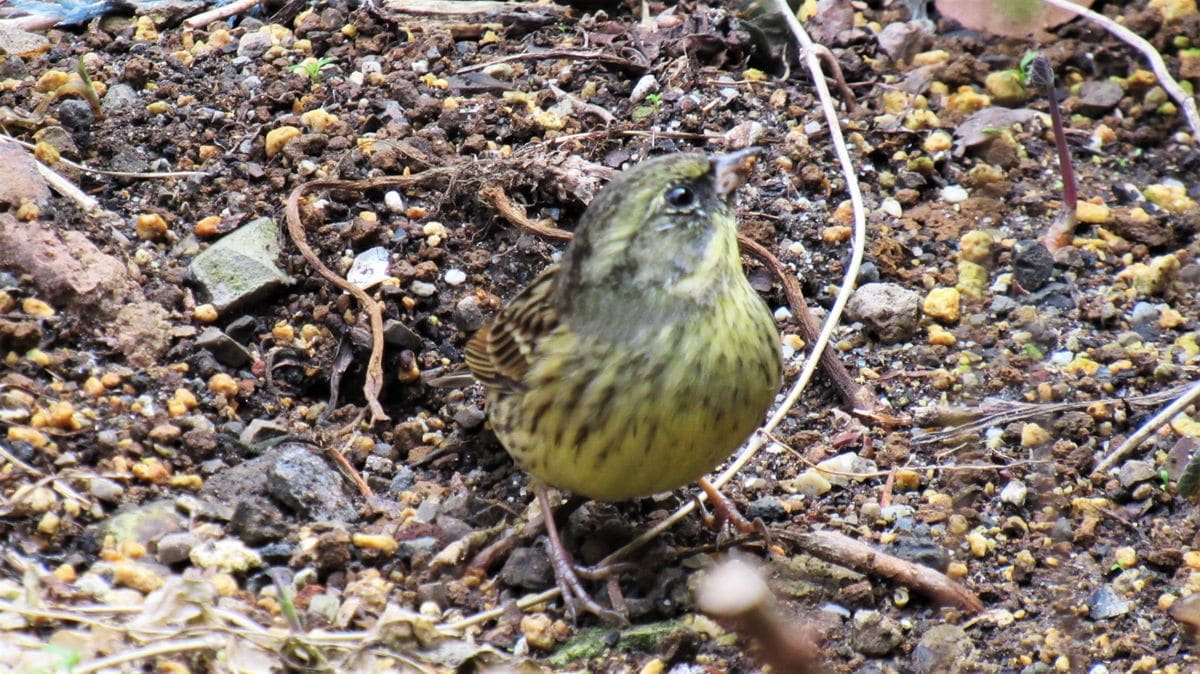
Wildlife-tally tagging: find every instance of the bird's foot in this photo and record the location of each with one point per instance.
(567, 574)
(725, 514)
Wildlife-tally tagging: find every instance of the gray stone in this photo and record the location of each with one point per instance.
(106, 490)
(119, 96)
(224, 348)
(257, 522)
(1135, 472)
(1032, 264)
(1105, 603)
(396, 333)
(889, 311)
(467, 314)
(528, 569)
(1097, 97)
(306, 484)
(175, 548)
(253, 45)
(943, 648)
(874, 634)
(76, 114)
(240, 267)
(469, 417)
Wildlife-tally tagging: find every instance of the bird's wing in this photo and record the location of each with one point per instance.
(499, 355)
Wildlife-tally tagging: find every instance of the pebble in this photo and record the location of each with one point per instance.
(455, 277)
(1033, 435)
(369, 268)
(537, 628)
(175, 548)
(1014, 493)
(228, 555)
(1032, 264)
(393, 201)
(1097, 97)
(1105, 603)
(527, 569)
(105, 489)
(890, 311)
(874, 634)
(423, 289)
(808, 483)
(942, 648)
(1135, 472)
(942, 305)
(277, 138)
(954, 194)
(840, 469)
(892, 207)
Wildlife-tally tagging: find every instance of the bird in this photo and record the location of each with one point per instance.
(643, 358)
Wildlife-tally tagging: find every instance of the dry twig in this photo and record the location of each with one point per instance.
(1164, 416)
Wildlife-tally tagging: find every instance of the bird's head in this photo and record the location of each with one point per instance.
(664, 225)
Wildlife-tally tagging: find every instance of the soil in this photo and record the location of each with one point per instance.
(226, 496)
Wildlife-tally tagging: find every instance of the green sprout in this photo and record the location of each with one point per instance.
(654, 99)
(312, 67)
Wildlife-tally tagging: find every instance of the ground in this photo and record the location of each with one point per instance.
(189, 462)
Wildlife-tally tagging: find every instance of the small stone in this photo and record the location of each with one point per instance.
(393, 201)
(527, 569)
(874, 634)
(1105, 603)
(537, 628)
(1097, 97)
(1006, 88)
(240, 267)
(455, 277)
(1032, 264)
(228, 555)
(223, 384)
(1135, 472)
(165, 433)
(942, 305)
(979, 544)
(277, 138)
(942, 648)
(954, 194)
(469, 417)
(1171, 198)
(1014, 493)
(976, 246)
(937, 141)
(1033, 435)
(423, 289)
(205, 313)
(808, 483)
(1126, 557)
(175, 548)
(380, 542)
(1092, 214)
(254, 44)
(319, 120)
(836, 234)
(37, 308)
(972, 279)
(224, 348)
(105, 489)
(890, 311)
(137, 576)
(646, 85)
(467, 314)
(840, 469)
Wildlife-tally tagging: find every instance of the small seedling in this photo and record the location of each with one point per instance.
(1040, 77)
(312, 67)
(654, 99)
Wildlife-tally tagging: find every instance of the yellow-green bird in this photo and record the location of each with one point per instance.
(644, 358)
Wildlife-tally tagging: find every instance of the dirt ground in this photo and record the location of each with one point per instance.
(190, 478)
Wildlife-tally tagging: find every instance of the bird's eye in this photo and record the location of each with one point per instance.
(680, 197)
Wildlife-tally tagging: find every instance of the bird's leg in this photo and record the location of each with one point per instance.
(725, 513)
(573, 593)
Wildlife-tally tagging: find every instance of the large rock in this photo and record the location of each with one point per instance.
(240, 267)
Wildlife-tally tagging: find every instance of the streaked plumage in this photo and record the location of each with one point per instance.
(644, 358)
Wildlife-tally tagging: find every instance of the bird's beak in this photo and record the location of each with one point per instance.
(730, 171)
